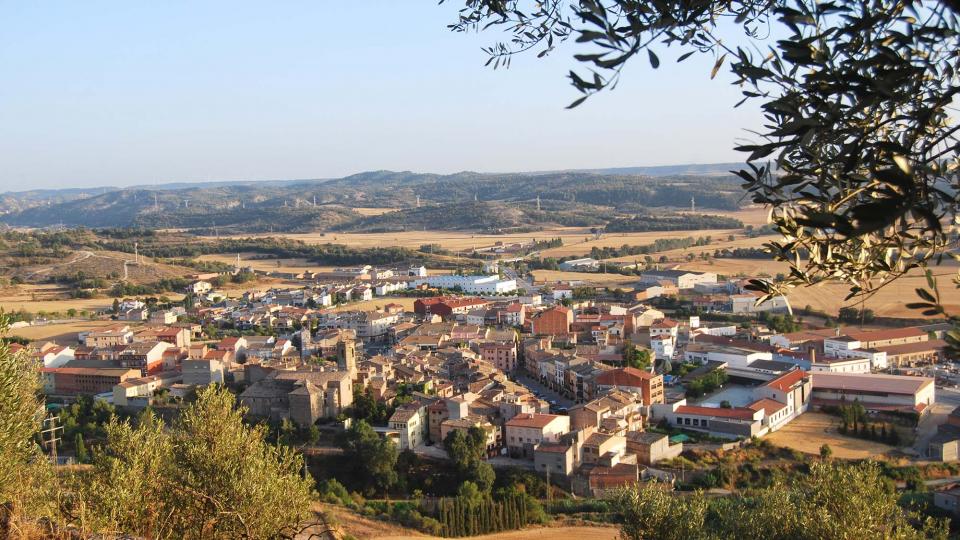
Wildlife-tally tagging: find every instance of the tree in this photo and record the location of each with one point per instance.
(858, 148)
(209, 475)
(825, 451)
(116, 305)
(80, 449)
(26, 479)
(636, 357)
(373, 458)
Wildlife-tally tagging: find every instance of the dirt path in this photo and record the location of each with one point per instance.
(78, 256)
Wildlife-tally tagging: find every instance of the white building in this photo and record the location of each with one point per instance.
(747, 303)
(662, 346)
(681, 278)
(471, 284)
(580, 265)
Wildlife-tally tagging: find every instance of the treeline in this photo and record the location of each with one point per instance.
(660, 244)
(122, 289)
(278, 247)
(672, 222)
(463, 516)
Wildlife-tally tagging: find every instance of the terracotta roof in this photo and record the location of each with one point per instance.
(787, 380)
(920, 346)
(890, 384)
(768, 405)
(627, 376)
(528, 420)
(878, 335)
(740, 413)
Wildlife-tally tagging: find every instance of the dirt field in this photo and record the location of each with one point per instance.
(811, 430)
(889, 301)
(373, 211)
(598, 279)
(61, 333)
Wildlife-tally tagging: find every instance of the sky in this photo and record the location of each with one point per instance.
(104, 93)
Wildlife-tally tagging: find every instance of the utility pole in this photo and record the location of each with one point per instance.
(50, 437)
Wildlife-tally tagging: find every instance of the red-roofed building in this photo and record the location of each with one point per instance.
(554, 321)
(628, 379)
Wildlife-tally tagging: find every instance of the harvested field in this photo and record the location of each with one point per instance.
(889, 301)
(62, 333)
(373, 211)
(811, 430)
(598, 279)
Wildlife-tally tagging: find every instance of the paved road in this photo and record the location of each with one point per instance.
(544, 392)
(522, 283)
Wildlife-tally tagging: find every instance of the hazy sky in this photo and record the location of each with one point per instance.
(121, 93)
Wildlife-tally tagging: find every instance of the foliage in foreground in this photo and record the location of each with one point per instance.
(834, 501)
(209, 476)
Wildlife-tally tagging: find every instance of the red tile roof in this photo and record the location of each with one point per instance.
(741, 413)
(627, 376)
(768, 405)
(528, 420)
(787, 380)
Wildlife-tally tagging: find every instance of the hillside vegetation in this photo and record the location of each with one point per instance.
(457, 201)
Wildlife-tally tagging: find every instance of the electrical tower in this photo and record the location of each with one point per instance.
(50, 436)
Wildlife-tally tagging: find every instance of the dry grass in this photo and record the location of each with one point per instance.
(811, 430)
(378, 303)
(598, 279)
(890, 301)
(372, 211)
(61, 333)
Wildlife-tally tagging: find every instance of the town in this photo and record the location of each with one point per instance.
(593, 389)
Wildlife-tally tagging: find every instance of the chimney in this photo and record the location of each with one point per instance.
(837, 331)
(813, 355)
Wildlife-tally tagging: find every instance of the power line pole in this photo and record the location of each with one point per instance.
(49, 436)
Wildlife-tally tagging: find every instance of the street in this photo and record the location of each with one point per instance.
(543, 392)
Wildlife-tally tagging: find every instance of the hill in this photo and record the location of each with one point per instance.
(567, 198)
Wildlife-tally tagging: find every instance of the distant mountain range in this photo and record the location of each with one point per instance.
(422, 200)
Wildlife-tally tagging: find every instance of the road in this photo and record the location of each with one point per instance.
(544, 392)
(522, 283)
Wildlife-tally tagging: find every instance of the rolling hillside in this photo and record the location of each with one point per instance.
(464, 200)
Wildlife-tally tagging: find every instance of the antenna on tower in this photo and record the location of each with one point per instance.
(693, 204)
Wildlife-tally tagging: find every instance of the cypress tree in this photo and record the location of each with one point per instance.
(81, 449)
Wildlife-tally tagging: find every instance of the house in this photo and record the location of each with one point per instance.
(203, 371)
(139, 392)
(412, 423)
(603, 446)
(948, 500)
(555, 458)
(199, 287)
(553, 321)
(617, 412)
(502, 355)
(648, 385)
(525, 431)
(651, 447)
